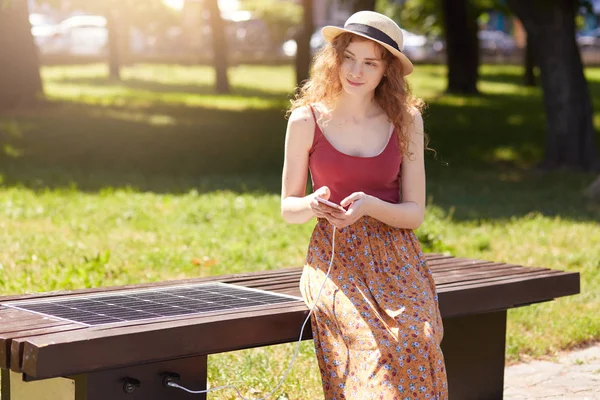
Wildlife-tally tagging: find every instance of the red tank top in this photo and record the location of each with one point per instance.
(345, 174)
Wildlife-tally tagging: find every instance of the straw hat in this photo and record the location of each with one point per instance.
(377, 27)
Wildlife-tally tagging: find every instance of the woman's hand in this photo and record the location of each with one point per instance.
(356, 205)
(321, 210)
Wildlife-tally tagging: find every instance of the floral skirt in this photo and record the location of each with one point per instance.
(376, 325)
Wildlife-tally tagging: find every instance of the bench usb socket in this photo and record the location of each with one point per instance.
(170, 377)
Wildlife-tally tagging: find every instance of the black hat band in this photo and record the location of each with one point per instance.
(373, 33)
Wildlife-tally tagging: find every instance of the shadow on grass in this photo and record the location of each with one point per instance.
(517, 79)
(503, 193)
(159, 87)
(483, 144)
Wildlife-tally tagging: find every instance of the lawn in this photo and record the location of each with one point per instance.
(157, 178)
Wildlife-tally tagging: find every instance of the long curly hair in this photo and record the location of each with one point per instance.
(393, 94)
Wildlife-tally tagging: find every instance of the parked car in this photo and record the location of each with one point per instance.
(75, 35)
(44, 29)
(289, 48)
(496, 43)
(247, 35)
(589, 40)
(85, 34)
(419, 47)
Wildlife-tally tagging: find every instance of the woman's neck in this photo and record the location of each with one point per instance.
(358, 108)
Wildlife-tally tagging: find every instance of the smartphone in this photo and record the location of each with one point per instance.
(330, 204)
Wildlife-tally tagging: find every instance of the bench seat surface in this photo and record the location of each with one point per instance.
(44, 347)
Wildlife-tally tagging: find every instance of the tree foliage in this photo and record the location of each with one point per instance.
(426, 16)
(143, 14)
(281, 17)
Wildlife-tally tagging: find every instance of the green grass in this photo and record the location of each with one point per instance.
(157, 178)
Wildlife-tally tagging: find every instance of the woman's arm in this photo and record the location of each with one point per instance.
(409, 214)
(295, 205)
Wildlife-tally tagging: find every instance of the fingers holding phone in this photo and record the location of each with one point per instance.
(330, 204)
(323, 208)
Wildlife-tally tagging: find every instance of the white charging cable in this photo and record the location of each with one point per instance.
(176, 385)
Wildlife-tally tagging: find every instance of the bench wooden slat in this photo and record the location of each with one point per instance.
(61, 354)
(484, 275)
(14, 346)
(458, 261)
(466, 268)
(506, 293)
(443, 269)
(505, 279)
(474, 269)
(10, 315)
(6, 339)
(437, 256)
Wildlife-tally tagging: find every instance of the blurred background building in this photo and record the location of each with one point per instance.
(181, 31)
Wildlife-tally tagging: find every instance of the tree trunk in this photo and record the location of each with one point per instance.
(570, 131)
(594, 190)
(20, 81)
(114, 46)
(529, 67)
(303, 53)
(462, 46)
(219, 42)
(125, 33)
(360, 5)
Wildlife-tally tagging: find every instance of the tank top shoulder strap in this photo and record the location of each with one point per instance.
(312, 110)
(317, 131)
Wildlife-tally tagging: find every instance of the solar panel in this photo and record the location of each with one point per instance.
(144, 304)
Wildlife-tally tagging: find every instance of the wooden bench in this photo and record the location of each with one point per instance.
(44, 358)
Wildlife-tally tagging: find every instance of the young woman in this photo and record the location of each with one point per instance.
(356, 127)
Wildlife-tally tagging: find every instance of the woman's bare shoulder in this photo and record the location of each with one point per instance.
(414, 113)
(301, 115)
(413, 120)
(301, 126)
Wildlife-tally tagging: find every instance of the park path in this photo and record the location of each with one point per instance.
(572, 375)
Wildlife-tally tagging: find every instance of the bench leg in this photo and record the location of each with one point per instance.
(14, 388)
(4, 384)
(109, 384)
(474, 348)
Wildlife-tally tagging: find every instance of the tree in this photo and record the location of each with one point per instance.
(361, 5)
(114, 42)
(303, 53)
(456, 20)
(594, 190)
(550, 24)
(529, 64)
(462, 46)
(20, 81)
(219, 44)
